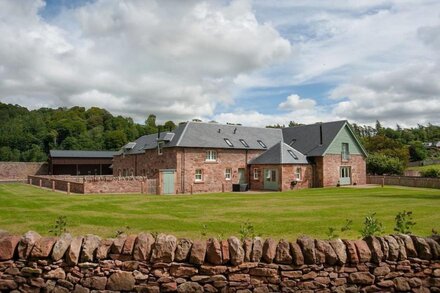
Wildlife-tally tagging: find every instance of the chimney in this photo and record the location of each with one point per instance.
(320, 133)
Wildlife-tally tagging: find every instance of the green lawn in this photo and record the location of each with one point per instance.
(424, 168)
(279, 215)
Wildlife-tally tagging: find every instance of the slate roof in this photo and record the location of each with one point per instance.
(308, 138)
(280, 153)
(143, 143)
(81, 154)
(212, 135)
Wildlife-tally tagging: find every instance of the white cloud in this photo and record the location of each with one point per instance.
(177, 59)
(295, 102)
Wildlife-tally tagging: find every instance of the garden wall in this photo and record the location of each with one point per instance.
(19, 171)
(95, 184)
(144, 263)
(405, 181)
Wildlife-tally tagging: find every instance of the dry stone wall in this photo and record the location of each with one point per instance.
(163, 263)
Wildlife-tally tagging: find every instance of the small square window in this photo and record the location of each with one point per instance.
(256, 174)
(228, 173)
(198, 175)
(211, 156)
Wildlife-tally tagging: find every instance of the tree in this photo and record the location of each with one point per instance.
(150, 123)
(115, 139)
(380, 164)
(417, 151)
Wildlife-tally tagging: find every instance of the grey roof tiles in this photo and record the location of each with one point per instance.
(280, 153)
(81, 154)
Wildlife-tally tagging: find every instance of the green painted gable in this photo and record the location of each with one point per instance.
(345, 136)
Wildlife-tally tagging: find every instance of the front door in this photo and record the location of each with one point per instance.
(168, 182)
(271, 179)
(242, 176)
(345, 175)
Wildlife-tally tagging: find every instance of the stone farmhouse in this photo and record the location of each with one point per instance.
(212, 157)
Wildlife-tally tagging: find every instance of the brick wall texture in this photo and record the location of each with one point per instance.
(21, 170)
(163, 263)
(185, 162)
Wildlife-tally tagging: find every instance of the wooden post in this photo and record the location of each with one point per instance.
(223, 187)
(41, 183)
(192, 188)
(53, 185)
(383, 181)
(68, 187)
(142, 187)
(30, 181)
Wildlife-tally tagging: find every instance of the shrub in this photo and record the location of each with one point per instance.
(381, 164)
(59, 227)
(372, 226)
(247, 230)
(431, 173)
(404, 222)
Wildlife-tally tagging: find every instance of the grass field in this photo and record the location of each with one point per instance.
(279, 215)
(424, 168)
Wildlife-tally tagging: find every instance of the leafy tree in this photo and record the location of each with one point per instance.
(150, 124)
(114, 140)
(381, 164)
(417, 151)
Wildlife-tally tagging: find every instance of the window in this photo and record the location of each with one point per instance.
(160, 148)
(256, 175)
(243, 142)
(345, 152)
(211, 156)
(298, 174)
(228, 173)
(292, 142)
(229, 143)
(292, 154)
(198, 175)
(262, 144)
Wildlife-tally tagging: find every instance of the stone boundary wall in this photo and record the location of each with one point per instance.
(19, 171)
(163, 263)
(404, 181)
(95, 184)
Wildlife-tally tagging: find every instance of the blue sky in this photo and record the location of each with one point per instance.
(252, 62)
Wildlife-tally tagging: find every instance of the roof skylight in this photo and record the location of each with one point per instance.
(229, 142)
(293, 154)
(243, 142)
(262, 144)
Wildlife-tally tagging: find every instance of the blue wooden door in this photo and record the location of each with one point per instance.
(168, 182)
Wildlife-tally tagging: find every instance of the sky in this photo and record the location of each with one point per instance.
(251, 62)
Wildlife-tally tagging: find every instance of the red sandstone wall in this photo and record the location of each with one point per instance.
(21, 170)
(144, 263)
(332, 163)
(188, 160)
(288, 175)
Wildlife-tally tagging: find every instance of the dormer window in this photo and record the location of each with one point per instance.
(160, 148)
(292, 154)
(243, 142)
(228, 142)
(211, 156)
(262, 144)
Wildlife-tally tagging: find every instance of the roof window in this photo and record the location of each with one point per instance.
(243, 142)
(229, 142)
(293, 154)
(262, 144)
(292, 141)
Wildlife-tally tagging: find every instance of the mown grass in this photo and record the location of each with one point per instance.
(279, 215)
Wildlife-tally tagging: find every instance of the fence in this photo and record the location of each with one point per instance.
(405, 181)
(96, 184)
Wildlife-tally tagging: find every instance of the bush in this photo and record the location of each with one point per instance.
(372, 226)
(59, 227)
(404, 222)
(431, 173)
(380, 164)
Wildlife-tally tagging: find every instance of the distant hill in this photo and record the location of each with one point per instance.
(28, 135)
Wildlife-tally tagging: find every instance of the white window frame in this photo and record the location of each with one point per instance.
(298, 173)
(345, 152)
(198, 175)
(160, 148)
(228, 174)
(211, 156)
(256, 174)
